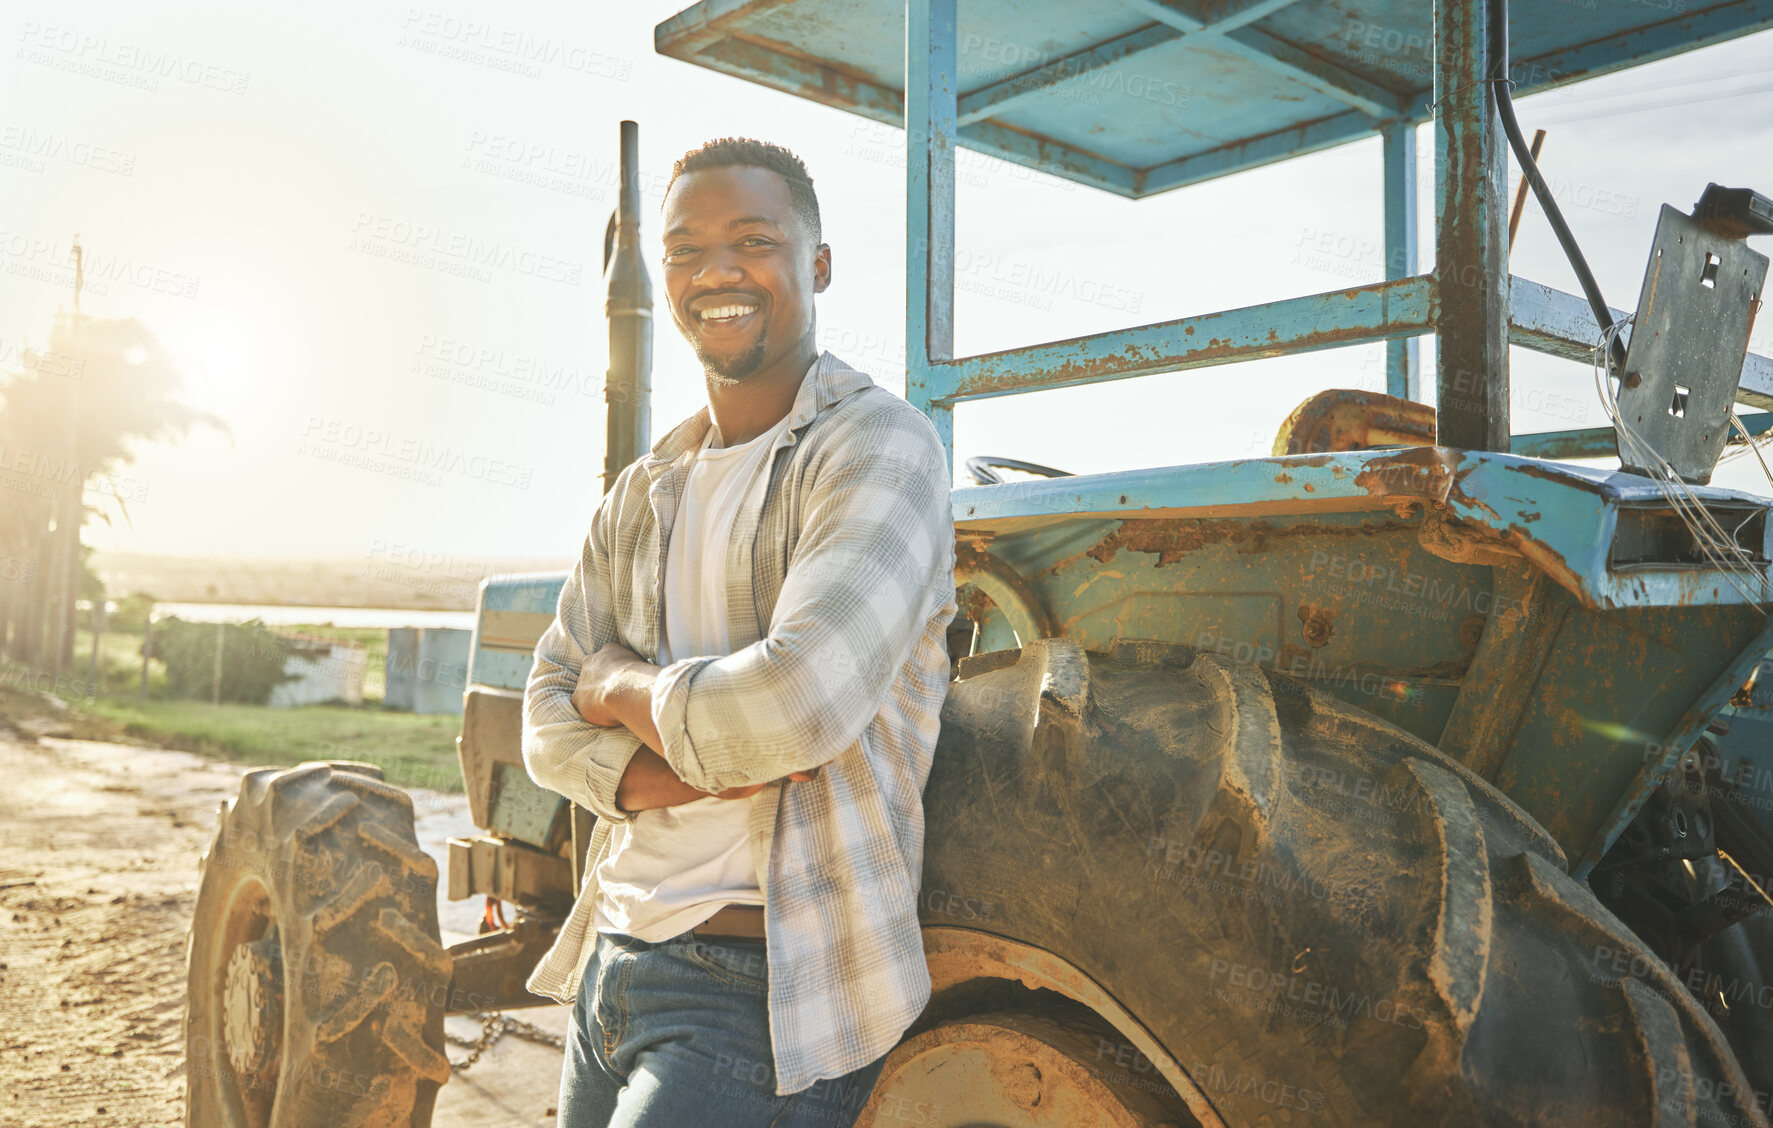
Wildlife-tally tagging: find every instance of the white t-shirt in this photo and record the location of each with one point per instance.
(670, 868)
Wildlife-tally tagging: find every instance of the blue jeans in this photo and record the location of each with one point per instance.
(676, 1035)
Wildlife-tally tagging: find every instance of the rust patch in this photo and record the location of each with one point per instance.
(1310, 666)
(978, 605)
(1553, 564)
(1471, 630)
(1425, 472)
(1319, 624)
(1173, 538)
(1284, 479)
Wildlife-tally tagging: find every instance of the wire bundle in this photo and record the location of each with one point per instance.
(1750, 444)
(1719, 546)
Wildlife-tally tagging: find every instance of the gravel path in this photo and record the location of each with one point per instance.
(99, 852)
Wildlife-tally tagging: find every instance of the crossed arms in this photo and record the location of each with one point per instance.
(615, 688)
(875, 537)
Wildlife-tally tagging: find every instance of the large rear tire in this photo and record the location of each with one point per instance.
(1291, 895)
(315, 972)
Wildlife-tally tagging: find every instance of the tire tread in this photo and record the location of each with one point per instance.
(355, 905)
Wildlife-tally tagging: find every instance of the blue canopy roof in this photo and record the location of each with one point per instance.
(1141, 96)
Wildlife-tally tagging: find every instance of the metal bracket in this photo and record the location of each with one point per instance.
(1684, 361)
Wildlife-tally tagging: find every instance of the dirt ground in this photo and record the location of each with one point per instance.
(99, 851)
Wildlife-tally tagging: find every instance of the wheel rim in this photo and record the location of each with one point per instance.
(997, 1073)
(252, 1011)
(243, 1042)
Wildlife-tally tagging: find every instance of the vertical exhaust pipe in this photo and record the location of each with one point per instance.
(628, 385)
(627, 388)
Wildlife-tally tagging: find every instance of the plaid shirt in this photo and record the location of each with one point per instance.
(840, 589)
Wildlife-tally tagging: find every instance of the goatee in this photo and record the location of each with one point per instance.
(733, 370)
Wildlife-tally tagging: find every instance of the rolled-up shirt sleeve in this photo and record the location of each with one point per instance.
(561, 750)
(876, 545)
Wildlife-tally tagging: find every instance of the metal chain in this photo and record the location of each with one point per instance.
(494, 1026)
(490, 1031)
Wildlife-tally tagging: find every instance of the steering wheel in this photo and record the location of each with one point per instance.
(979, 468)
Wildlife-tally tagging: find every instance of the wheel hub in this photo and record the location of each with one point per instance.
(252, 1009)
(1007, 1071)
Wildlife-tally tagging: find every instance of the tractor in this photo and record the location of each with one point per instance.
(1413, 774)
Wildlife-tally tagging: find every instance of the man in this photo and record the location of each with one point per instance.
(744, 682)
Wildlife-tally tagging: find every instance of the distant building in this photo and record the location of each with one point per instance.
(427, 669)
(321, 670)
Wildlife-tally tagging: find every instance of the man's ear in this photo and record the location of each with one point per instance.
(821, 268)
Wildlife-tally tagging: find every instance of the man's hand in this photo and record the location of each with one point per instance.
(615, 688)
(598, 674)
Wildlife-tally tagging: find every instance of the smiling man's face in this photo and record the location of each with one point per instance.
(741, 269)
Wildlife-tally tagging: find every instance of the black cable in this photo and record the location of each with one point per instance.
(1499, 80)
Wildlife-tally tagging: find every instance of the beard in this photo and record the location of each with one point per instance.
(734, 369)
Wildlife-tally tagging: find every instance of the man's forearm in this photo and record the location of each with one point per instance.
(650, 783)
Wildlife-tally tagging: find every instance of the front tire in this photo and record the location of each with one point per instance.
(315, 973)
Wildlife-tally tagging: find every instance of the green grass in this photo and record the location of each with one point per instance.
(120, 662)
(411, 750)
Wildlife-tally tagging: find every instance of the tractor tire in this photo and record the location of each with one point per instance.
(316, 977)
(1735, 968)
(1316, 915)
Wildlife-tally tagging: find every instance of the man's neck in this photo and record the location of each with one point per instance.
(746, 410)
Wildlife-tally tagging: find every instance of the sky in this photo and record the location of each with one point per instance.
(280, 213)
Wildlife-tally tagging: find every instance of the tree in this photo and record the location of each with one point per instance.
(71, 418)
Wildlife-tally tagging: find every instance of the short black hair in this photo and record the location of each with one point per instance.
(724, 152)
